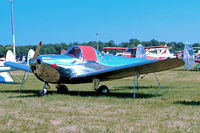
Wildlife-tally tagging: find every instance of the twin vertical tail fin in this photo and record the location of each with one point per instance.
(140, 52)
(188, 57)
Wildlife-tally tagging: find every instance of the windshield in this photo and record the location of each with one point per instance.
(74, 52)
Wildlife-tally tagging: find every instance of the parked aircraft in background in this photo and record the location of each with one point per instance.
(4, 75)
(152, 52)
(84, 64)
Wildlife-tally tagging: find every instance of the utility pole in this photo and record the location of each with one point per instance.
(13, 34)
(97, 41)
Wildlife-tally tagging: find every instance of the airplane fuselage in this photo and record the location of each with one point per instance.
(60, 68)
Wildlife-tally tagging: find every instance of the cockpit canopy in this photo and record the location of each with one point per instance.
(74, 51)
(82, 52)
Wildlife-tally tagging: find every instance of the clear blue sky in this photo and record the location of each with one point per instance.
(55, 21)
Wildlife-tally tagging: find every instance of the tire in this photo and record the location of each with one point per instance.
(103, 90)
(42, 93)
(62, 89)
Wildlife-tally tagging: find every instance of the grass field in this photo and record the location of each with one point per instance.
(173, 108)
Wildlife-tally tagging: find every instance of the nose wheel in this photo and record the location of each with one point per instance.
(43, 92)
(62, 89)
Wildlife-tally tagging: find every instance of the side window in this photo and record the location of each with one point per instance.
(74, 52)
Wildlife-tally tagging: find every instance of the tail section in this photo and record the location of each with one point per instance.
(31, 53)
(5, 78)
(10, 56)
(189, 57)
(140, 53)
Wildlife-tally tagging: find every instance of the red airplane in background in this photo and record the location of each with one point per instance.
(152, 52)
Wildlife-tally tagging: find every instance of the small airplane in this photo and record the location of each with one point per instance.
(152, 52)
(4, 75)
(85, 64)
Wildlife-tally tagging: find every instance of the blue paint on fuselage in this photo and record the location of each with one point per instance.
(57, 59)
(70, 67)
(103, 59)
(112, 60)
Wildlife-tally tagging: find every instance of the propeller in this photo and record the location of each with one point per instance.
(37, 51)
(31, 63)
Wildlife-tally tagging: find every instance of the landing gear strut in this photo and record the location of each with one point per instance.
(44, 91)
(62, 89)
(102, 90)
(136, 76)
(23, 80)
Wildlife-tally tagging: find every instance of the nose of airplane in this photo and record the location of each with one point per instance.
(47, 73)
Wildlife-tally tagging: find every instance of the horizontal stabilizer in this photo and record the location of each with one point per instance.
(5, 78)
(19, 66)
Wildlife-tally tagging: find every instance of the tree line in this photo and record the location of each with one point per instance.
(56, 48)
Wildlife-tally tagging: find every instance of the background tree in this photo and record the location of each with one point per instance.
(56, 48)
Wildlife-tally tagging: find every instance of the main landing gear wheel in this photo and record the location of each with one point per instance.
(62, 89)
(103, 90)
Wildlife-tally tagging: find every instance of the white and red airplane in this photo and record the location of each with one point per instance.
(152, 52)
(4, 75)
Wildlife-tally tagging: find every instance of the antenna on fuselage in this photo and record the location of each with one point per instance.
(13, 34)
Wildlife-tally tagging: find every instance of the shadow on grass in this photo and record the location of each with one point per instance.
(15, 83)
(31, 93)
(139, 87)
(194, 103)
(34, 93)
(192, 70)
(17, 91)
(111, 94)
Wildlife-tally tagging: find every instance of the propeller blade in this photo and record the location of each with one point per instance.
(37, 51)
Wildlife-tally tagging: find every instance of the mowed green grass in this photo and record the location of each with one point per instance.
(173, 108)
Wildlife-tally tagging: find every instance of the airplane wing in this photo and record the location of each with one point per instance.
(19, 66)
(118, 72)
(114, 48)
(103, 74)
(150, 47)
(120, 48)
